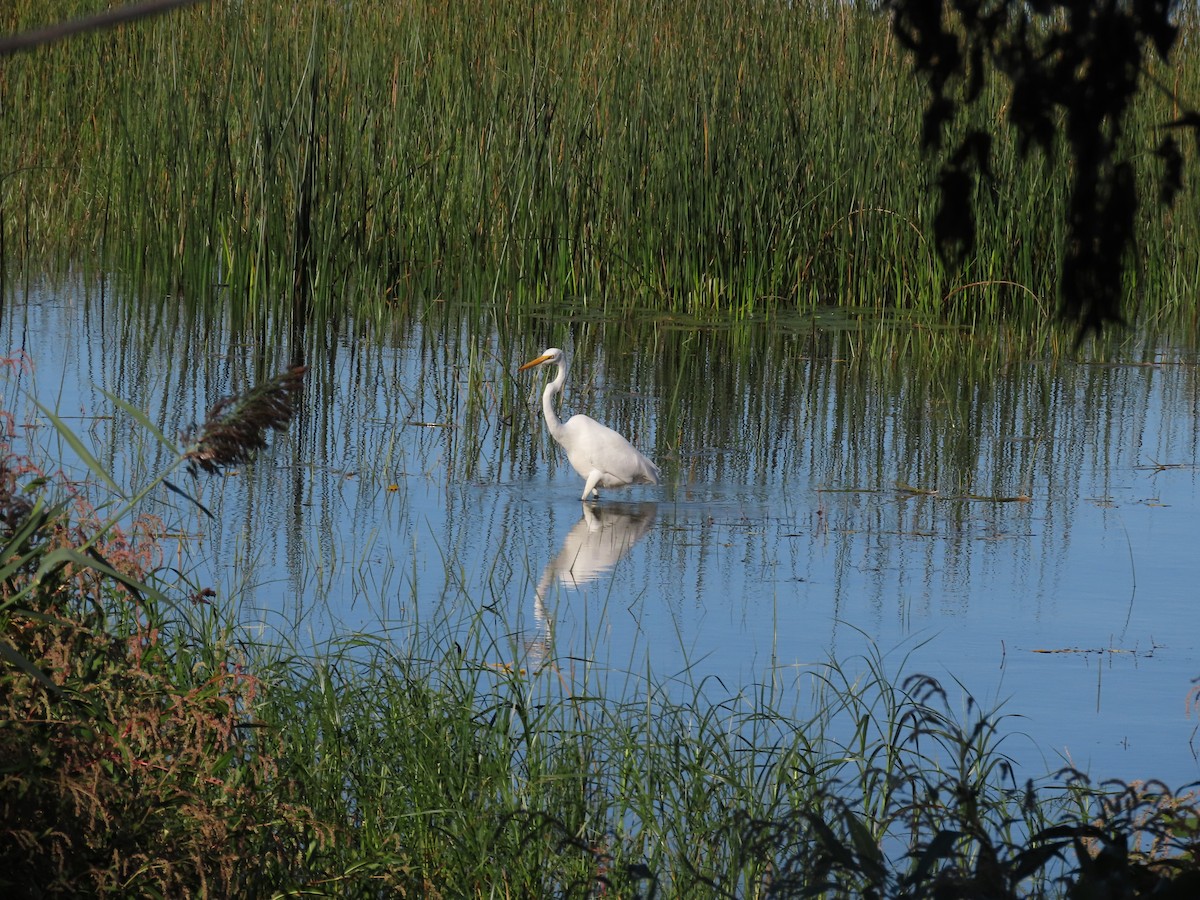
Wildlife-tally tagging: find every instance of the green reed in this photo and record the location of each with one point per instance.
(307, 162)
(438, 769)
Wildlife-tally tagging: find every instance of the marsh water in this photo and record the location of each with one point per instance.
(1023, 531)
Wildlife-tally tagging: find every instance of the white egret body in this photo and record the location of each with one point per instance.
(602, 457)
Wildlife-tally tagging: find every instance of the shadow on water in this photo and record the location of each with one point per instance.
(820, 482)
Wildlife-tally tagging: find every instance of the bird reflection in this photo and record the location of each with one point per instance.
(594, 545)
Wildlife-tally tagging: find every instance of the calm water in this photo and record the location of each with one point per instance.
(1026, 530)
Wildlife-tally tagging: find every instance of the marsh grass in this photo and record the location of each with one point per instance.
(461, 778)
(307, 164)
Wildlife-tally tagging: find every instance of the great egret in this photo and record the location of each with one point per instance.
(600, 455)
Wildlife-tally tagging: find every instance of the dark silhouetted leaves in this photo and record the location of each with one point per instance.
(1073, 69)
(1172, 176)
(937, 114)
(955, 221)
(954, 225)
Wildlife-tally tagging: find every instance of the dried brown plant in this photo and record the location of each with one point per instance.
(132, 765)
(13, 506)
(236, 427)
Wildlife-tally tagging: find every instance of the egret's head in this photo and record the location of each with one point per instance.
(550, 355)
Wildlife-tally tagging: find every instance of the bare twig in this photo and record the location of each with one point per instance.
(107, 19)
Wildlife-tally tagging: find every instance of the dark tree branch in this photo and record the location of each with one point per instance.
(107, 19)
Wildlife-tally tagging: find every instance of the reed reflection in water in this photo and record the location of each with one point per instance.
(814, 494)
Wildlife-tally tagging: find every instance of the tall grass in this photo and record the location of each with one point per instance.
(307, 162)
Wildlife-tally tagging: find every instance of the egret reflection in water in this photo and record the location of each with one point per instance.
(593, 546)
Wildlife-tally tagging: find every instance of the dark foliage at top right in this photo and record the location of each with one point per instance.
(1070, 64)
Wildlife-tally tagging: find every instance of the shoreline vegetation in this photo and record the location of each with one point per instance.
(296, 168)
(152, 748)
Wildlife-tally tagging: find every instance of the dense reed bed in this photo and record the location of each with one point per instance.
(305, 162)
(285, 168)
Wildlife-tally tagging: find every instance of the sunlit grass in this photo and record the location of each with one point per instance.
(449, 773)
(298, 165)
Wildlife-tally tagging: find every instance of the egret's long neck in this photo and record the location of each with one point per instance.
(553, 423)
